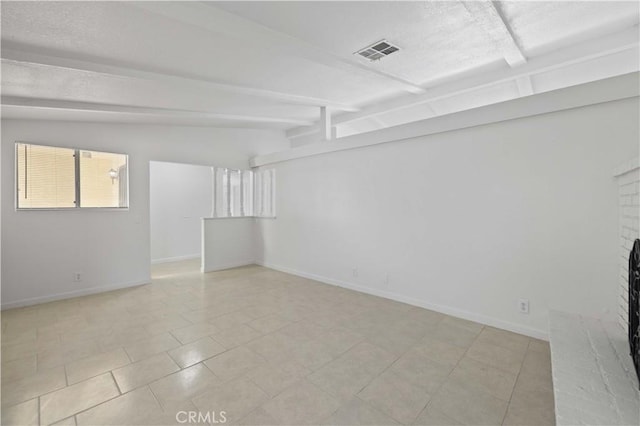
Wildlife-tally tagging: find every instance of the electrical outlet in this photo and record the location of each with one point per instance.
(354, 272)
(523, 306)
(77, 276)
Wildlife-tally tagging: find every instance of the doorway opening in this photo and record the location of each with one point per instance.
(180, 196)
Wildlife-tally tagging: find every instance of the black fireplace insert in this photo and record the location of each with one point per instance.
(634, 305)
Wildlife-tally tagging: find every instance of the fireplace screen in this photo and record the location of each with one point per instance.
(634, 305)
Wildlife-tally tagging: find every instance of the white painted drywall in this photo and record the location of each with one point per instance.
(181, 195)
(42, 249)
(227, 242)
(468, 221)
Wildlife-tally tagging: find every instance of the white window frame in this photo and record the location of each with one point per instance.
(252, 206)
(77, 177)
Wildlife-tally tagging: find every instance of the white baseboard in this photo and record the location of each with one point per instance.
(175, 259)
(448, 310)
(70, 294)
(229, 265)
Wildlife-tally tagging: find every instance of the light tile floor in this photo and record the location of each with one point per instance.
(266, 348)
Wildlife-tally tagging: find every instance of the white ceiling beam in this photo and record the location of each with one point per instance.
(591, 49)
(16, 101)
(525, 85)
(326, 132)
(601, 91)
(25, 57)
(431, 108)
(489, 18)
(218, 21)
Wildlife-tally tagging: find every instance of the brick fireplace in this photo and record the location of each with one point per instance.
(628, 178)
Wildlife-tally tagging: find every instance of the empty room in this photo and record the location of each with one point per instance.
(320, 213)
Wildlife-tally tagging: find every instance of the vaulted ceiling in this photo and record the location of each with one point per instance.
(274, 64)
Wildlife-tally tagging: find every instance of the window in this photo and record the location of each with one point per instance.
(231, 190)
(58, 178)
(265, 184)
(103, 179)
(220, 192)
(46, 177)
(241, 193)
(247, 192)
(235, 191)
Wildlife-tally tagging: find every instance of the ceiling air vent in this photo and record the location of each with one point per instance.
(378, 50)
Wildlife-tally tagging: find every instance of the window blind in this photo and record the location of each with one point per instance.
(52, 177)
(46, 177)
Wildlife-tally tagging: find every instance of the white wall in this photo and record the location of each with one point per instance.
(468, 221)
(42, 249)
(181, 195)
(228, 242)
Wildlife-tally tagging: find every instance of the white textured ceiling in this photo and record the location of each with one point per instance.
(436, 38)
(273, 64)
(541, 27)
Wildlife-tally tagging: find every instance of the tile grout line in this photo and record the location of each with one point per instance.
(356, 394)
(294, 319)
(515, 383)
(155, 397)
(116, 382)
(454, 367)
(93, 406)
